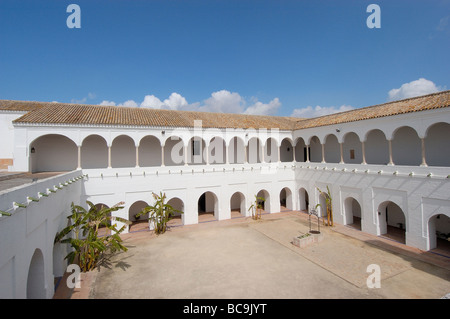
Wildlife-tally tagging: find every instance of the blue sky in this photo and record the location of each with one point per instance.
(303, 58)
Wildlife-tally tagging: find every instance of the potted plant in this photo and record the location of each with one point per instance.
(257, 207)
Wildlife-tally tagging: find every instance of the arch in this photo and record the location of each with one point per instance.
(300, 150)
(439, 234)
(352, 149)
(392, 221)
(437, 145)
(36, 277)
(303, 199)
(149, 151)
(174, 151)
(376, 147)
(94, 152)
(53, 153)
(352, 212)
(237, 205)
(217, 151)
(286, 199)
(208, 207)
(266, 195)
(177, 218)
(315, 147)
(286, 150)
(123, 152)
(406, 147)
(236, 151)
(332, 149)
(197, 151)
(254, 151)
(135, 209)
(271, 151)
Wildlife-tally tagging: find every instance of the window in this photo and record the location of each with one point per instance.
(352, 154)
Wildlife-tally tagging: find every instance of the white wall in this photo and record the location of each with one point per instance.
(32, 228)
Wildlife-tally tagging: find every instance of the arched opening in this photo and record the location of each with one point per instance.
(174, 151)
(332, 149)
(254, 151)
(237, 205)
(352, 149)
(300, 151)
(406, 147)
(208, 207)
(197, 151)
(36, 277)
(376, 148)
(137, 222)
(271, 151)
(236, 151)
(303, 200)
(439, 234)
(53, 153)
(94, 152)
(315, 147)
(322, 209)
(149, 152)
(286, 151)
(286, 199)
(437, 145)
(123, 152)
(352, 212)
(177, 218)
(392, 221)
(266, 204)
(217, 151)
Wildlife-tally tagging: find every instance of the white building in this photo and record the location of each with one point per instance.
(387, 167)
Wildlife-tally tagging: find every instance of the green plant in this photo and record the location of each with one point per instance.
(257, 207)
(160, 213)
(89, 248)
(329, 206)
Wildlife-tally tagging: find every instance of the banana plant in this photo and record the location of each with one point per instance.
(257, 207)
(89, 248)
(160, 213)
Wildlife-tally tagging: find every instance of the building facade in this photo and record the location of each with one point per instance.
(387, 168)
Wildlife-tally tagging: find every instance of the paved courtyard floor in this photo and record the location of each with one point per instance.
(243, 258)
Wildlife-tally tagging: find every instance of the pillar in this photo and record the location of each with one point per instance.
(79, 157)
(162, 156)
(137, 156)
(109, 156)
(363, 153)
(391, 162)
(307, 153)
(424, 162)
(342, 153)
(323, 152)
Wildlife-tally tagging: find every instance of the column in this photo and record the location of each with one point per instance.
(207, 154)
(137, 156)
(363, 153)
(323, 153)
(162, 156)
(226, 154)
(293, 154)
(342, 153)
(307, 153)
(279, 153)
(186, 149)
(109, 156)
(391, 162)
(424, 162)
(79, 157)
(245, 154)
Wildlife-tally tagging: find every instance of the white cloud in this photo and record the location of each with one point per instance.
(220, 101)
(310, 112)
(108, 103)
(414, 88)
(260, 108)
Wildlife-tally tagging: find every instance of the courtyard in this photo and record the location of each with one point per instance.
(245, 258)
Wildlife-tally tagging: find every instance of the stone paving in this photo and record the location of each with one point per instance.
(244, 258)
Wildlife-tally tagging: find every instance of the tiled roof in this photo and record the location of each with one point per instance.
(81, 114)
(61, 113)
(416, 104)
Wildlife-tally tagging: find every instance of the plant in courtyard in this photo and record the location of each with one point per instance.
(257, 207)
(160, 213)
(89, 248)
(328, 201)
